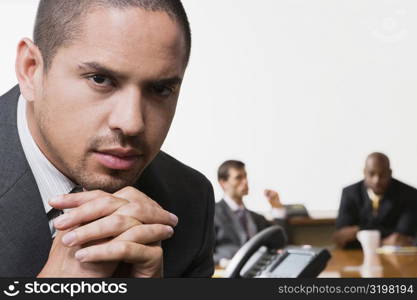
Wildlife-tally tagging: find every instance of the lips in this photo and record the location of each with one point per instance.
(118, 159)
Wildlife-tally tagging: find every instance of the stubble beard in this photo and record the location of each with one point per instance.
(78, 172)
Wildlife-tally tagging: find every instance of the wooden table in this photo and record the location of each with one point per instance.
(346, 263)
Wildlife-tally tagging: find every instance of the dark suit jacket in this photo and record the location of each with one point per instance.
(396, 213)
(25, 237)
(228, 240)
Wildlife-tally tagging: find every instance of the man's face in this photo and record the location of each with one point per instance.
(377, 175)
(105, 106)
(237, 183)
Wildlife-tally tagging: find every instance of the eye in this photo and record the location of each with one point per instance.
(101, 80)
(162, 90)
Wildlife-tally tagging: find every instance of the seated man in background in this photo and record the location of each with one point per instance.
(378, 202)
(233, 223)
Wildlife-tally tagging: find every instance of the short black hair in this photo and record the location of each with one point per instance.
(58, 22)
(223, 171)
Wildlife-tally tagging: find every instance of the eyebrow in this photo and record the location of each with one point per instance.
(97, 67)
(169, 81)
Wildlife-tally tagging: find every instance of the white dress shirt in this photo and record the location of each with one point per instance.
(51, 182)
(276, 213)
(232, 203)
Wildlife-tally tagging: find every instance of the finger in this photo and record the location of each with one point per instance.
(148, 214)
(146, 233)
(129, 194)
(132, 194)
(106, 227)
(89, 211)
(147, 210)
(116, 250)
(76, 199)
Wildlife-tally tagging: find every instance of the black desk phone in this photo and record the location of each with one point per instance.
(261, 257)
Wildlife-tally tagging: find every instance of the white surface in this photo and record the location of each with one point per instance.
(301, 90)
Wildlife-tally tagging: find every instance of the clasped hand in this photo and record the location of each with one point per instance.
(102, 230)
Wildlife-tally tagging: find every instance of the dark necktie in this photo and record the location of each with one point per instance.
(53, 212)
(241, 214)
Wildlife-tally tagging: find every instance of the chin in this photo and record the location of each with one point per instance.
(379, 192)
(109, 183)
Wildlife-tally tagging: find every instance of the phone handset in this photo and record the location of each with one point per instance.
(261, 247)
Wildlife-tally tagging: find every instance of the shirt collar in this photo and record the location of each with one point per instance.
(232, 204)
(372, 195)
(51, 182)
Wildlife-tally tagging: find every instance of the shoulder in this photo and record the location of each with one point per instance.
(220, 211)
(403, 187)
(220, 205)
(353, 189)
(8, 106)
(172, 170)
(169, 179)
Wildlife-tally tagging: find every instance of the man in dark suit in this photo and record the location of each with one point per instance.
(97, 93)
(234, 224)
(377, 202)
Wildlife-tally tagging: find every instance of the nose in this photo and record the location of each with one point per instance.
(127, 113)
(245, 182)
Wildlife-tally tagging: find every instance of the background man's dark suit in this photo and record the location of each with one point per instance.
(228, 229)
(397, 209)
(25, 237)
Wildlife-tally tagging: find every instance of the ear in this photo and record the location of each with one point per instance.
(29, 68)
(221, 182)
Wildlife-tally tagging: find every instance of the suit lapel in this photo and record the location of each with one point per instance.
(367, 212)
(25, 236)
(386, 205)
(236, 231)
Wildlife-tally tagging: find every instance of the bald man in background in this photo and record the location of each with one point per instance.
(377, 202)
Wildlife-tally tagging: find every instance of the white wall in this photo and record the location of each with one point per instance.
(301, 90)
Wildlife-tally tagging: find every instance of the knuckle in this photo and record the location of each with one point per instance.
(153, 203)
(117, 220)
(137, 233)
(100, 207)
(78, 201)
(123, 249)
(98, 193)
(110, 202)
(129, 189)
(155, 230)
(131, 221)
(136, 208)
(107, 199)
(135, 211)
